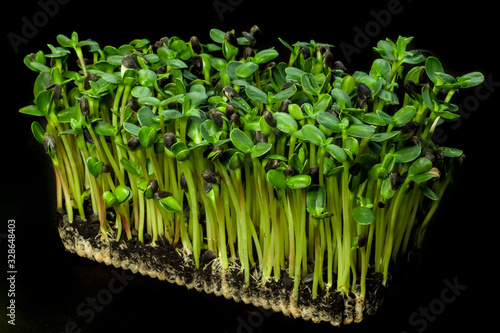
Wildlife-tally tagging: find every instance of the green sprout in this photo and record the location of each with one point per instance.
(271, 165)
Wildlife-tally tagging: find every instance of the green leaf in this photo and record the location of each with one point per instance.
(94, 166)
(256, 94)
(386, 50)
(386, 190)
(408, 154)
(420, 166)
(146, 78)
(470, 80)
(140, 91)
(430, 99)
(37, 131)
(360, 130)
(266, 55)
(343, 100)
(373, 118)
(109, 198)
(329, 121)
(171, 114)
(196, 97)
(451, 152)
(111, 78)
(295, 111)
(313, 134)
(145, 116)
(209, 130)
(66, 115)
(65, 41)
(429, 193)
(284, 94)
(422, 177)
(286, 123)
(298, 181)
(105, 128)
(217, 35)
(381, 137)
(260, 149)
(433, 65)
(42, 82)
(131, 128)
(309, 84)
(171, 204)
(388, 96)
(380, 69)
(316, 199)
(176, 64)
(147, 136)
(232, 159)
(241, 141)
(131, 167)
(246, 69)
(404, 115)
(294, 73)
(123, 193)
(363, 215)
(276, 178)
(31, 110)
(153, 101)
(338, 153)
(43, 101)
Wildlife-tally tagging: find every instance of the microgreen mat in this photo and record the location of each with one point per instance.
(297, 166)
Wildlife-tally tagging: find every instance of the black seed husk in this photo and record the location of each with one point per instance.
(439, 154)
(169, 139)
(209, 176)
(183, 182)
(129, 62)
(216, 116)
(133, 105)
(231, 38)
(306, 52)
(362, 239)
(328, 59)
(106, 168)
(235, 119)
(87, 136)
(88, 78)
(364, 92)
(195, 44)
(355, 168)
(162, 195)
(260, 137)
(284, 106)
(268, 117)
(84, 106)
(272, 165)
(230, 92)
(49, 143)
(153, 185)
(133, 143)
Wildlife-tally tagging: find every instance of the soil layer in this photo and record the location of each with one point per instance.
(175, 265)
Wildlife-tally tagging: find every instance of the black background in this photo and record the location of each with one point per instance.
(52, 283)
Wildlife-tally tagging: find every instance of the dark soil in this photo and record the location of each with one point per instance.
(180, 268)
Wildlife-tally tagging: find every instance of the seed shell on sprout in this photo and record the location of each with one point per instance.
(49, 143)
(84, 106)
(195, 44)
(162, 195)
(169, 139)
